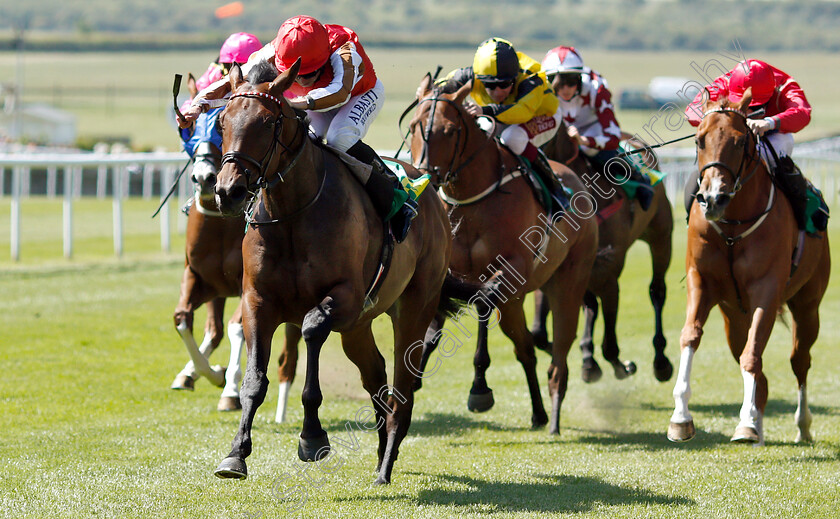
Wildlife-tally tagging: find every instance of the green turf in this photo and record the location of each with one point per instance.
(90, 428)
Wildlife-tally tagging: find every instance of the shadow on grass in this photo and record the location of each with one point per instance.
(774, 408)
(552, 494)
(437, 424)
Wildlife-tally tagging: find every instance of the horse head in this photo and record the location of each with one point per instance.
(207, 159)
(258, 130)
(441, 132)
(725, 148)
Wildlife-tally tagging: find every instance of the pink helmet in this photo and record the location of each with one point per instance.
(755, 74)
(301, 37)
(238, 47)
(561, 60)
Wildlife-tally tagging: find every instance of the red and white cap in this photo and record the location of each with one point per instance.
(238, 48)
(561, 60)
(755, 74)
(301, 37)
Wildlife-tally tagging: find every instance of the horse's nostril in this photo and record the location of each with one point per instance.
(238, 193)
(722, 199)
(211, 180)
(701, 199)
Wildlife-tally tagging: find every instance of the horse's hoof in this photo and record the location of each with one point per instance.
(381, 481)
(313, 449)
(541, 341)
(183, 383)
(681, 432)
(663, 370)
(232, 468)
(229, 403)
(804, 438)
(745, 434)
(624, 369)
(479, 403)
(538, 421)
(591, 372)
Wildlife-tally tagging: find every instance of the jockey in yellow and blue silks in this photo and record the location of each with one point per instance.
(512, 88)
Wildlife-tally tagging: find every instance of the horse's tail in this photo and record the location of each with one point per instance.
(457, 293)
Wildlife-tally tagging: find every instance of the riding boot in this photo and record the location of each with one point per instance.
(795, 186)
(616, 168)
(389, 198)
(540, 165)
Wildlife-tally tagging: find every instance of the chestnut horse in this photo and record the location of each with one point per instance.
(621, 221)
(312, 251)
(742, 237)
(500, 226)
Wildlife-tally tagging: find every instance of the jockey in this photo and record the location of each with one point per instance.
(586, 104)
(338, 88)
(781, 101)
(510, 87)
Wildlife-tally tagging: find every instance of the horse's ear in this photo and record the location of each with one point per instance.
(707, 98)
(462, 93)
(235, 77)
(425, 86)
(745, 100)
(191, 86)
(284, 80)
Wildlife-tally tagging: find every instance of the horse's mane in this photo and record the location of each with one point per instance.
(263, 72)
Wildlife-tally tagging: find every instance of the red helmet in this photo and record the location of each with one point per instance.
(562, 60)
(755, 74)
(238, 47)
(301, 37)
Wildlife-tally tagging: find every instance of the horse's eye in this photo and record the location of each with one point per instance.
(701, 142)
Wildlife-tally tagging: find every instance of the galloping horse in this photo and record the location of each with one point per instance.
(746, 255)
(621, 221)
(312, 251)
(500, 226)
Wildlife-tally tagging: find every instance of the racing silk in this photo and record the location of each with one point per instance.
(591, 112)
(530, 97)
(787, 107)
(204, 130)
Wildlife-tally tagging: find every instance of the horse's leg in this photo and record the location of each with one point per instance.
(409, 327)
(192, 296)
(259, 321)
(609, 345)
(590, 370)
(806, 326)
(286, 366)
(360, 347)
(430, 344)
(481, 396)
(681, 427)
(229, 401)
(514, 325)
(658, 237)
(538, 328)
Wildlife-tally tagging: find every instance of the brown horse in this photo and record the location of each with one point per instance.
(741, 238)
(621, 221)
(312, 251)
(500, 226)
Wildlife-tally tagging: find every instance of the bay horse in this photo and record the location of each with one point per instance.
(213, 273)
(621, 221)
(312, 249)
(500, 226)
(746, 255)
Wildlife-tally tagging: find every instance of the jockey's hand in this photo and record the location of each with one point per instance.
(190, 115)
(473, 109)
(298, 103)
(761, 126)
(574, 134)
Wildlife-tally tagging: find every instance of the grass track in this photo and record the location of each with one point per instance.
(90, 428)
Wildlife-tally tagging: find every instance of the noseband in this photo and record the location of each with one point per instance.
(751, 136)
(237, 157)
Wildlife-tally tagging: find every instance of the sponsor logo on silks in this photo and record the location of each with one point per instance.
(414, 187)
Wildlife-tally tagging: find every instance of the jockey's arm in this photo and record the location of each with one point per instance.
(529, 98)
(610, 134)
(794, 109)
(348, 68)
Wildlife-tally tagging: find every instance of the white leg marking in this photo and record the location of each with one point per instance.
(233, 375)
(682, 387)
(282, 400)
(215, 374)
(802, 417)
(189, 368)
(750, 416)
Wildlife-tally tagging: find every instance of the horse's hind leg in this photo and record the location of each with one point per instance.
(430, 344)
(286, 366)
(609, 346)
(229, 401)
(590, 371)
(481, 396)
(213, 332)
(658, 238)
(514, 325)
(539, 329)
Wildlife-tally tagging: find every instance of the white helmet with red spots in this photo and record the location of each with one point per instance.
(562, 60)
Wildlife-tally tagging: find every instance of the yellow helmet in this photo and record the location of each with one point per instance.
(496, 59)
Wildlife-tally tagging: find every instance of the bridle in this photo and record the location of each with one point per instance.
(451, 174)
(751, 137)
(237, 157)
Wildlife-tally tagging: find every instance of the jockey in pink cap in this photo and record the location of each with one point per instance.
(781, 110)
(586, 104)
(337, 86)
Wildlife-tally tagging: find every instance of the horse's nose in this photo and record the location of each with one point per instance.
(722, 199)
(229, 199)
